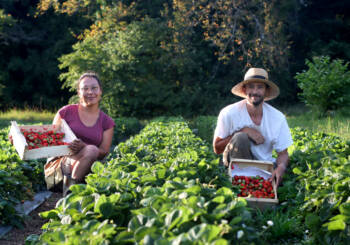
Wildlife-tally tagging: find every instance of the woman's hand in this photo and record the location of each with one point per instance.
(10, 138)
(76, 146)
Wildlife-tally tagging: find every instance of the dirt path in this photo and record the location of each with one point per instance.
(32, 224)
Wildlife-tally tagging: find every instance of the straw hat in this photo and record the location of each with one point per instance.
(257, 75)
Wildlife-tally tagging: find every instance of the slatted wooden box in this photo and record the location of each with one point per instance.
(21, 145)
(261, 203)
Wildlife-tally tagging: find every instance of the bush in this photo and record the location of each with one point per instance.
(204, 127)
(325, 85)
(124, 128)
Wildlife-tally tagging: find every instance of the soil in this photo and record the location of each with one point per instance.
(32, 224)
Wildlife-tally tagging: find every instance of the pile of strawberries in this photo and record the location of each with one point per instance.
(42, 139)
(253, 186)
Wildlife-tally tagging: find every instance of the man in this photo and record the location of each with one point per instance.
(251, 128)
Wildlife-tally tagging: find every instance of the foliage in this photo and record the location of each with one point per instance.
(326, 84)
(29, 46)
(204, 48)
(18, 181)
(125, 127)
(167, 178)
(321, 164)
(162, 185)
(204, 127)
(178, 59)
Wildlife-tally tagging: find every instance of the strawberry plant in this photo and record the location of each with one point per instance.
(19, 180)
(320, 172)
(163, 185)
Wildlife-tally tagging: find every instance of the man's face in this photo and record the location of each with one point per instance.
(255, 92)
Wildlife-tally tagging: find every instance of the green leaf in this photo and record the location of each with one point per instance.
(219, 199)
(173, 218)
(335, 225)
(32, 239)
(204, 232)
(297, 171)
(312, 221)
(51, 214)
(97, 168)
(225, 191)
(143, 231)
(235, 220)
(125, 237)
(161, 173)
(344, 208)
(79, 188)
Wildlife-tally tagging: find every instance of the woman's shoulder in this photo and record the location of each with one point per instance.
(106, 119)
(68, 110)
(69, 107)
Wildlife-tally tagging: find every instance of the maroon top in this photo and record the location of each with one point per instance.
(90, 135)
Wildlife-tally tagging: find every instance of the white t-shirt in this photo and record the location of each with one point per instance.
(273, 127)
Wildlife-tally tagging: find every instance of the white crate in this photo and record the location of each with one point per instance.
(261, 203)
(21, 145)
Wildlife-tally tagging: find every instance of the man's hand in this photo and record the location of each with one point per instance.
(278, 174)
(254, 135)
(76, 145)
(282, 163)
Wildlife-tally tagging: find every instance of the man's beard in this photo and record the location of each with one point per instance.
(258, 102)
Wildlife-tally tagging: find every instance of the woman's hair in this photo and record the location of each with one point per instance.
(90, 74)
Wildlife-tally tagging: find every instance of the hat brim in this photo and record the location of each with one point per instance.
(272, 91)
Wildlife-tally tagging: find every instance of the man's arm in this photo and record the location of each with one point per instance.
(282, 163)
(219, 144)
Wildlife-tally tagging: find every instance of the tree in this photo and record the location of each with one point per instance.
(30, 45)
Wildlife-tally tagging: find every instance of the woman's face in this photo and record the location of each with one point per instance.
(89, 91)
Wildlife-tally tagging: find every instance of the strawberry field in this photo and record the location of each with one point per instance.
(19, 180)
(164, 185)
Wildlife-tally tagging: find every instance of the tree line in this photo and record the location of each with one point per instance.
(161, 57)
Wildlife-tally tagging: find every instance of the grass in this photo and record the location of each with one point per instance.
(25, 117)
(336, 123)
(297, 116)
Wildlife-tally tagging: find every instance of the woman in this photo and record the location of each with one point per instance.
(92, 127)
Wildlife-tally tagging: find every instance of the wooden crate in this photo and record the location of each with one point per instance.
(21, 145)
(261, 203)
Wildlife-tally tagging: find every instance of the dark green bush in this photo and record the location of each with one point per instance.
(325, 85)
(204, 127)
(124, 128)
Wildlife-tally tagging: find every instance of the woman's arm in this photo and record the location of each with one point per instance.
(57, 119)
(106, 143)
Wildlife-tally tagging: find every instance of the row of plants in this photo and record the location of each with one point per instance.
(19, 180)
(321, 173)
(165, 186)
(161, 186)
(166, 183)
